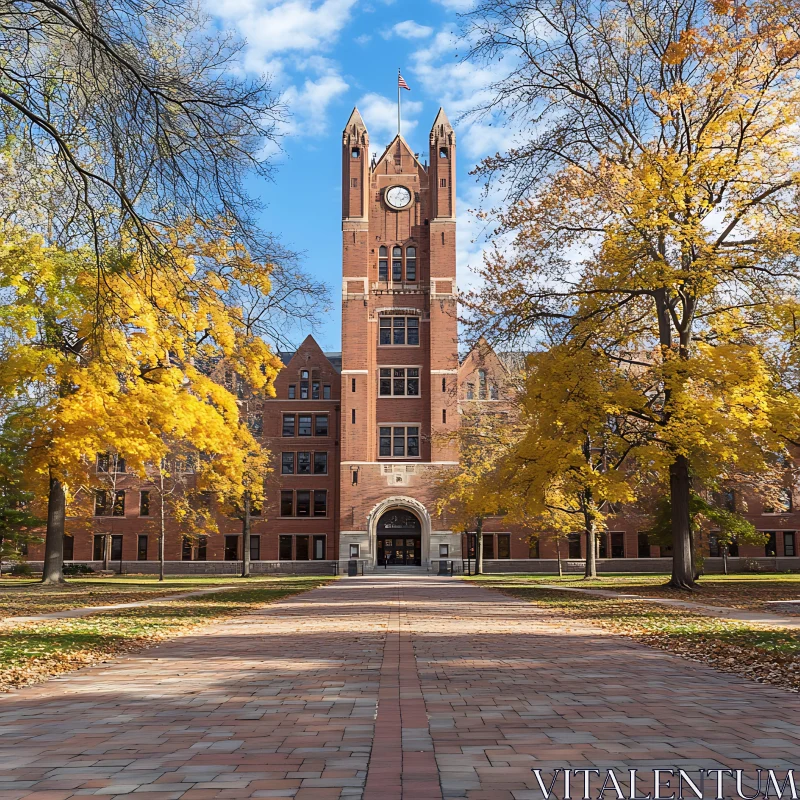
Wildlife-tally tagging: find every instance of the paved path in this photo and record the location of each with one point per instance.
(386, 689)
(85, 611)
(720, 612)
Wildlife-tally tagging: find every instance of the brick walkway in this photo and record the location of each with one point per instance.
(288, 702)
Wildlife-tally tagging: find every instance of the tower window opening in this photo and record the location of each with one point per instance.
(442, 152)
(397, 264)
(383, 264)
(353, 417)
(353, 384)
(443, 183)
(444, 384)
(354, 183)
(481, 384)
(356, 153)
(444, 416)
(411, 264)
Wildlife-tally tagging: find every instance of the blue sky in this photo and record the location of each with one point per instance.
(326, 57)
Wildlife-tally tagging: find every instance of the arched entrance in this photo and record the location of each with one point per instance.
(399, 538)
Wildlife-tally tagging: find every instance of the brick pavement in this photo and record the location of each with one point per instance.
(390, 688)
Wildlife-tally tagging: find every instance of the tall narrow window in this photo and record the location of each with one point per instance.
(320, 502)
(383, 264)
(326, 391)
(397, 264)
(481, 384)
(321, 425)
(186, 549)
(69, 547)
(144, 504)
(353, 416)
(202, 548)
(304, 425)
(444, 384)
(287, 503)
(285, 548)
(287, 463)
(288, 425)
(141, 550)
(352, 384)
(304, 463)
(304, 384)
(292, 391)
(320, 463)
(315, 390)
(411, 264)
(255, 548)
(788, 543)
(303, 506)
(118, 509)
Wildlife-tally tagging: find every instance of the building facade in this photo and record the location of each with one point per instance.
(358, 437)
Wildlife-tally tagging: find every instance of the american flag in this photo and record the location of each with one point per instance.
(401, 82)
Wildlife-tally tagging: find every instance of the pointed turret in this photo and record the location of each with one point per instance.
(355, 168)
(442, 170)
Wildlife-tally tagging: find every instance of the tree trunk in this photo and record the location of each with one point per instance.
(479, 547)
(53, 570)
(591, 551)
(246, 536)
(558, 556)
(682, 556)
(162, 533)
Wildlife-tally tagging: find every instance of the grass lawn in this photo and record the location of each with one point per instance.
(767, 655)
(34, 651)
(26, 597)
(742, 590)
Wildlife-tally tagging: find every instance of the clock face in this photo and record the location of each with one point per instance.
(398, 196)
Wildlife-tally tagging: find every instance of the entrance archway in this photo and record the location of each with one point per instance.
(399, 538)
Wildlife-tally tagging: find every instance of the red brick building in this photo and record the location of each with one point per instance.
(358, 436)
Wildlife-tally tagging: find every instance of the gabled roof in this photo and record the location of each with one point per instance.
(393, 144)
(335, 359)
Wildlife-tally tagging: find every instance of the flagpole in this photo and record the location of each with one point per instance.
(398, 101)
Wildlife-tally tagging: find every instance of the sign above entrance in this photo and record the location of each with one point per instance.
(399, 520)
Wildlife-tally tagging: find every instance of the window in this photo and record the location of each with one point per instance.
(444, 384)
(292, 391)
(287, 503)
(442, 152)
(100, 503)
(301, 548)
(444, 416)
(443, 183)
(320, 502)
(354, 183)
(481, 384)
(354, 477)
(321, 426)
(202, 548)
(784, 505)
(285, 548)
(533, 548)
(352, 384)
(287, 463)
(470, 391)
(399, 331)
(383, 264)
(353, 416)
(304, 425)
(186, 549)
(504, 545)
(494, 393)
(326, 391)
(643, 541)
(398, 441)
(102, 462)
(788, 543)
(69, 547)
(399, 381)
(144, 504)
(255, 548)
(602, 549)
(617, 545)
(288, 425)
(397, 264)
(714, 550)
(488, 545)
(116, 548)
(411, 264)
(353, 551)
(574, 545)
(255, 422)
(355, 153)
(319, 548)
(315, 390)
(303, 504)
(771, 547)
(444, 550)
(320, 463)
(304, 463)
(99, 548)
(231, 548)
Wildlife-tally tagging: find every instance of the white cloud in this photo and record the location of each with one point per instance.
(408, 29)
(380, 117)
(459, 6)
(279, 27)
(363, 39)
(309, 103)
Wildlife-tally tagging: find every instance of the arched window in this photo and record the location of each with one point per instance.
(383, 264)
(397, 263)
(481, 384)
(411, 264)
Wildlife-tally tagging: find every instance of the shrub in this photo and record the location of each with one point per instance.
(78, 569)
(21, 570)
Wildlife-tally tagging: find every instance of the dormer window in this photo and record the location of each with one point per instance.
(442, 152)
(356, 153)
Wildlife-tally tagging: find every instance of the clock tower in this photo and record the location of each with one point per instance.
(399, 346)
